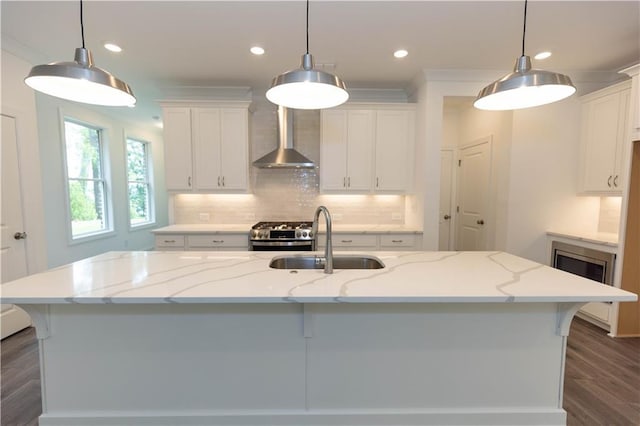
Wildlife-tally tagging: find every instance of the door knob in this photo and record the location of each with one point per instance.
(447, 217)
(480, 222)
(20, 235)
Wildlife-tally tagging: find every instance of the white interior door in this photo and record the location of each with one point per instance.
(13, 251)
(474, 173)
(446, 188)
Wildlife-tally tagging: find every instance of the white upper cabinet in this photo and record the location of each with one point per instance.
(346, 150)
(367, 148)
(605, 131)
(206, 148)
(177, 148)
(394, 150)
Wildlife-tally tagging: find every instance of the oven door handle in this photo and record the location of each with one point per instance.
(281, 243)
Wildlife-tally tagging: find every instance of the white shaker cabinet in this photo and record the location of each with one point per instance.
(206, 147)
(367, 148)
(394, 150)
(346, 150)
(604, 133)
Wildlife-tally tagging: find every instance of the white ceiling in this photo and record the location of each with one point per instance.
(206, 43)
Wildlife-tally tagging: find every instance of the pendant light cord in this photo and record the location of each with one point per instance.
(81, 24)
(307, 26)
(524, 27)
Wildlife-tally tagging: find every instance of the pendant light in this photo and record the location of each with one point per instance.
(524, 87)
(307, 88)
(80, 80)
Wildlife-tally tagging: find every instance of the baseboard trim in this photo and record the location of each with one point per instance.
(317, 418)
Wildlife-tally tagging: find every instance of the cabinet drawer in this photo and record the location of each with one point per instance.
(239, 241)
(404, 240)
(352, 240)
(170, 241)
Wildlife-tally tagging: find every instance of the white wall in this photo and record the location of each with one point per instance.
(60, 249)
(18, 101)
(544, 179)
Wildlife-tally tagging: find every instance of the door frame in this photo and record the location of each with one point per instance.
(453, 197)
(489, 228)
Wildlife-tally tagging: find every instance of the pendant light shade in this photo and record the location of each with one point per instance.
(524, 87)
(80, 80)
(307, 88)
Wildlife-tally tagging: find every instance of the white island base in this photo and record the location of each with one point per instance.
(302, 363)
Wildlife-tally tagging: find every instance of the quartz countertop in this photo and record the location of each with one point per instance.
(602, 238)
(245, 277)
(244, 228)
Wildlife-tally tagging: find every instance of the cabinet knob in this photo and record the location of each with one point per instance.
(20, 236)
(447, 217)
(480, 222)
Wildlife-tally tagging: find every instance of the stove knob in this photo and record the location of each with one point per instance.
(310, 234)
(305, 234)
(254, 234)
(298, 234)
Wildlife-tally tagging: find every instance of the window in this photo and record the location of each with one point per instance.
(139, 182)
(86, 185)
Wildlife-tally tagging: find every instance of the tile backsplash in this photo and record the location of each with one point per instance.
(285, 194)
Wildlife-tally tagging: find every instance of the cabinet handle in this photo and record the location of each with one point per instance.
(447, 217)
(344, 182)
(377, 182)
(349, 181)
(222, 180)
(20, 236)
(396, 241)
(615, 181)
(218, 241)
(189, 181)
(347, 241)
(169, 241)
(609, 181)
(480, 222)
(218, 180)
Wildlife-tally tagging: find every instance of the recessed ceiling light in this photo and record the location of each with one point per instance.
(257, 50)
(542, 55)
(400, 53)
(112, 47)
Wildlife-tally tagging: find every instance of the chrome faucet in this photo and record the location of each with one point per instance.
(328, 250)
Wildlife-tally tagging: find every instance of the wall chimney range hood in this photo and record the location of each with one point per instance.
(284, 157)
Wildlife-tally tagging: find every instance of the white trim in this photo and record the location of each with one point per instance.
(105, 164)
(150, 181)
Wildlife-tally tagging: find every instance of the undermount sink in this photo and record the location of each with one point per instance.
(318, 262)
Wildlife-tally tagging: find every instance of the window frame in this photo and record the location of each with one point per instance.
(109, 229)
(149, 182)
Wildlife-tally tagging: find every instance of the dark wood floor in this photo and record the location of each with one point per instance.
(602, 381)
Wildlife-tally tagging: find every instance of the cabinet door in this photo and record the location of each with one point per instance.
(600, 127)
(622, 140)
(206, 147)
(360, 142)
(177, 148)
(234, 159)
(394, 142)
(333, 150)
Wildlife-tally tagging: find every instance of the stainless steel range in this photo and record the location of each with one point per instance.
(282, 236)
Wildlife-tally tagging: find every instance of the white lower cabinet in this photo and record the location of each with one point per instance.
(374, 242)
(170, 242)
(218, 241)
(202, 242)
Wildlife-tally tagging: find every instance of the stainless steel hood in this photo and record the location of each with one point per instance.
(284, 157)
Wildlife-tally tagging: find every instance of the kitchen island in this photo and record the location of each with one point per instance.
(215, 338)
